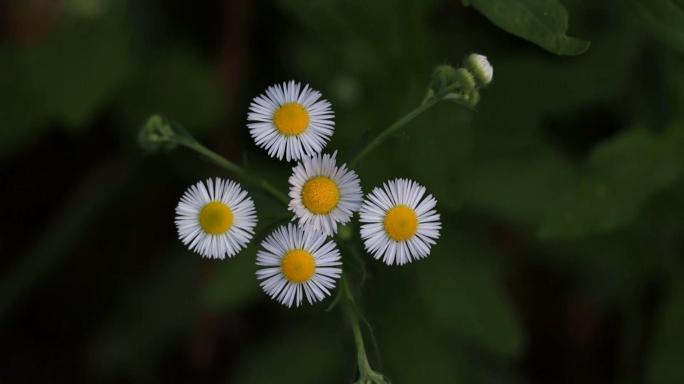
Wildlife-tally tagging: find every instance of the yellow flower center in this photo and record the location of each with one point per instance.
(401, 223)
(216, 218)
(320, 195)
(291, 119)
(298, 266)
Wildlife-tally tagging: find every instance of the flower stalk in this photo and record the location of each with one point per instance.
(382, 136)
(459, 90)
(159, 133)
(233, 168)
(366, 373)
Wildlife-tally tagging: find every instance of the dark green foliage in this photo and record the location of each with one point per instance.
(665, 20)
(562, 194)
(543, 22)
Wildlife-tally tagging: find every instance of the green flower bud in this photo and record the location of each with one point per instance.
(465, 79)
(446, 78)
(473, 98)
(443, 76)
(156, 134)
(480, 67)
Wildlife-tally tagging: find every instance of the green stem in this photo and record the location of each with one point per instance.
(380, 138)
(366, 373)
(428, 103)
(232, 167)
(353, 317)
(213, 156)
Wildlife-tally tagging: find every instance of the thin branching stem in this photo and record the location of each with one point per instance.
(233, 168)
(382, 136)
(366, 373)
(397, 125)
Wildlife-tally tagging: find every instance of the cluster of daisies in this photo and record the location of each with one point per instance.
(399, 224)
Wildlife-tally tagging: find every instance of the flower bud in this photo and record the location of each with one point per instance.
(465, 79)
(473, 98)
(156, 134)
(480, 67)
(443, 76)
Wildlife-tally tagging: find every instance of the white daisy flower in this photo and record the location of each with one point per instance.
(290, 122)
(298, 263)
(323, 194)
(215, 218)
(399, 222)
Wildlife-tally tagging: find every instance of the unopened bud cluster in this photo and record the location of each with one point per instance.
(461, 85)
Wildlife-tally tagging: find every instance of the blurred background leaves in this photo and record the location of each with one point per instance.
(562, 195)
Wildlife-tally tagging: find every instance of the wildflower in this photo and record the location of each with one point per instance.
(399, 222)
(290, 122)
(297, 264)
(215, 218)
(322, 194)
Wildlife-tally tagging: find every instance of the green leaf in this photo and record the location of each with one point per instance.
(665, 363)
(510, 170)
(543, 22)
(617, 180)
(521, 189)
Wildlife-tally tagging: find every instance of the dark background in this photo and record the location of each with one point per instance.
(562, 196)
